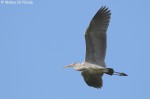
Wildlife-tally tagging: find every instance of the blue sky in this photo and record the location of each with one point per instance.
(37, 41)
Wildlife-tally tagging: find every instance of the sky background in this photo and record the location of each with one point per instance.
(38, 40)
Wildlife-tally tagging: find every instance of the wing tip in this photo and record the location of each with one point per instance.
(104, 9)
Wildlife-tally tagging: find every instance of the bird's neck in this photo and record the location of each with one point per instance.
(78, 67)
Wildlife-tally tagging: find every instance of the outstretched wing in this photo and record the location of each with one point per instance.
(92, 79)
(95, 37)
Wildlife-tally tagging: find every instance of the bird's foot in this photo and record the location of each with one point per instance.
(120, 74)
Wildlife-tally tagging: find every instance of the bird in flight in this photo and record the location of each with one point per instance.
(93, 67)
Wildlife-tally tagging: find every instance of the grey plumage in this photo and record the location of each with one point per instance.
(94, 65)
(95, 37)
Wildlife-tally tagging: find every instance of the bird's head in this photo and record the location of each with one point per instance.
(75, 66)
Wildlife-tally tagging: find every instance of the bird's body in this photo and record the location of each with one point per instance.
(94, 66)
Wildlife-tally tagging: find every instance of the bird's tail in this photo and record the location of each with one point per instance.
(110, 71)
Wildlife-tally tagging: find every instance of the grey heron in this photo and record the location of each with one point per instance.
(94, 65)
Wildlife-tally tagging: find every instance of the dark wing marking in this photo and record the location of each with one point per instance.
(92, 79)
